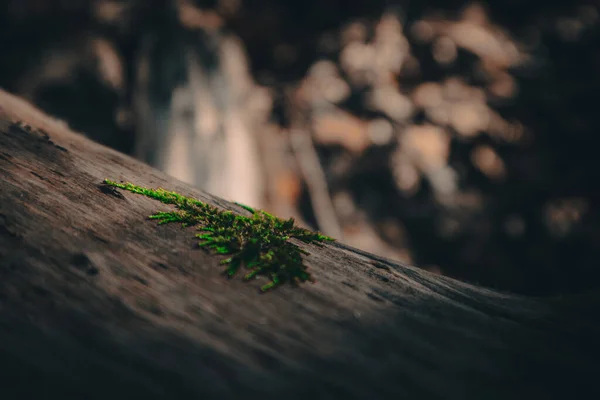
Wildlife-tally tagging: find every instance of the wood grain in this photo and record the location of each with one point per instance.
(98, 302)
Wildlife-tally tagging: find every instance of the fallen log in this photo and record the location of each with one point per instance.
(97, 301)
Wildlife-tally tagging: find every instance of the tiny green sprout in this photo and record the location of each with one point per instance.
(260, 243)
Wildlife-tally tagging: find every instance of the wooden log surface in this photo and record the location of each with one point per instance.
(98, 302)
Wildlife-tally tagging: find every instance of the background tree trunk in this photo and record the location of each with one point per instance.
(96, 301)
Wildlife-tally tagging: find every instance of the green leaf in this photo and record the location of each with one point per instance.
(260, 243)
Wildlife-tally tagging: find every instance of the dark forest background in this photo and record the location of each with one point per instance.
(458, 136)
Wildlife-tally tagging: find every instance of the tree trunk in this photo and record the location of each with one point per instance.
(97, 302)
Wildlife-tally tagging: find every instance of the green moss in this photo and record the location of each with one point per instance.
(260, 243)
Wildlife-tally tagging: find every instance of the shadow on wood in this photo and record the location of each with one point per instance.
(98, 302)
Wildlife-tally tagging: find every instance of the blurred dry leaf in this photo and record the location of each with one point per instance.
(193, 17)
(110, 65)
(427, 145)
(380, 131)
(354, 32)
(562, 215)
(504, 86)
(456, 89)
(391, 47)
(324, 84)
(406, 175)
(428, 95)
(484, 43)
(391, 102)
(110, 11)
(487, 161)
(444, 50)
(506, 131)
(475, 13)
(228, 7)
(469, 118)
(342, 128)
(355, 59)
(570, 29)
(473, 32)
(422, 31)
(377, 62)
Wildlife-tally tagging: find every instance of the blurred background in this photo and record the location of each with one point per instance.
(458, 136)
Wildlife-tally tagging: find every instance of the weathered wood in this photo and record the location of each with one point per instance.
(98, 302)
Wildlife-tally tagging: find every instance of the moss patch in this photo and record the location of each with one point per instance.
(260, 243)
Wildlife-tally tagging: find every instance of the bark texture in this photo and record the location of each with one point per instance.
(98, 302)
